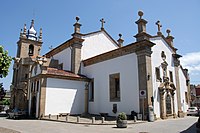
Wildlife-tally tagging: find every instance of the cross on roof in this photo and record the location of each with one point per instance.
(159, 25)
(102, 23)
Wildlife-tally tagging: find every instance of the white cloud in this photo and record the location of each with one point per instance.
(191, 61)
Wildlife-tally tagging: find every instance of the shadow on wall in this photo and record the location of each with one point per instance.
(78, 103)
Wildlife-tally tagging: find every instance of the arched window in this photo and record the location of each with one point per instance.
(31, 50)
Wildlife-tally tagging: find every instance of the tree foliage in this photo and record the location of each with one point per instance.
(5, 61)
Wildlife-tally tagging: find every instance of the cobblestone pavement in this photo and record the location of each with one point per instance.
(179, 125)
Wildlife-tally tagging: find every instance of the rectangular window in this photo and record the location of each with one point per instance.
(92, 90)
(186, 97)
(158, 74)
(114, 87)
(32, 86)
(38, 84)
(171, 76)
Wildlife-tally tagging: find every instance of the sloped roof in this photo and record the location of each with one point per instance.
(63, 73)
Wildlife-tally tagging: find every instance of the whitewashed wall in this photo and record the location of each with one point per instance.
(64, 96)
(160, 46)
(65, 58)
(183, 89)
(128, 68)
(95, 44)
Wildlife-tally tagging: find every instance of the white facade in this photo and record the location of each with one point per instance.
(156, 58)
(64, 96)
(129, 88)
(183, 90)
(95, 44)
(65, 58)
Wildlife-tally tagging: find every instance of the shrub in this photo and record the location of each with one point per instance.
(122, 116)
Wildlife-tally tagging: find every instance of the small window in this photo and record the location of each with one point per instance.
(114, 87)
(60, 66)
(31, 50)
(37, 87)
(26, 76)
(171, 76)
(32, 85)
(158, 74)
(91, 90)
(186, 97)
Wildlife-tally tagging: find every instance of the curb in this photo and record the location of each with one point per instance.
(84, 123)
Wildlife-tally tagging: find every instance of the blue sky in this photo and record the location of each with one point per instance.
(57, 17)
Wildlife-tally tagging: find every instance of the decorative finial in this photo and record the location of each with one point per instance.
(77, 19)
(120, 41)
(32, 23)
(140, 13)
(21, 33)
(102, 23)
(50, 47)
(24, 29)
(40, 36)
(159, 25)
(168, 32)
(120, 36)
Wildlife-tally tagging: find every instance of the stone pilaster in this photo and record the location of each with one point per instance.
(86, 97)
(145, 74)
(42, 100)
(174, 113)
(162, 105)
(76, 57)
(178, 94)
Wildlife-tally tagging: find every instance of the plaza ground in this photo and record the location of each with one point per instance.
(180, 125)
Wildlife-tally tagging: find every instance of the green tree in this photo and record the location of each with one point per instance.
(5, 61)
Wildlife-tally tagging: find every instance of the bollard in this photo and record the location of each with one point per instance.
(93, 120)
(103, 119)
(67, 118)
(57, 117)
(135, 118)
(49, 116)
(78, 119)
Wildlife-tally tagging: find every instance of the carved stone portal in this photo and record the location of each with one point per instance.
(167, 108)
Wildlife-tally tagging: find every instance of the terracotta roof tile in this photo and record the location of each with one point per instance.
(55, 71)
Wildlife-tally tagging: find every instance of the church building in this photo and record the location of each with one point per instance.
(92, 73)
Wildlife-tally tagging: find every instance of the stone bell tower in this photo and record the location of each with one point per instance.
(28, 49)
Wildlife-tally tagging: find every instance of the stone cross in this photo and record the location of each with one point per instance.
(102, 23)
(159, 25)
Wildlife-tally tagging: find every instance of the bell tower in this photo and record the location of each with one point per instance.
(28, 49)
(29, 44)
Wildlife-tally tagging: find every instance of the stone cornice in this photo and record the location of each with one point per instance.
(128, 49)
(64, 46)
